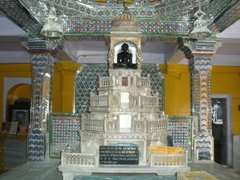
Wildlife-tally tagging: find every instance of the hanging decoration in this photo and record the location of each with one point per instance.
(52, 28)
(200, 29)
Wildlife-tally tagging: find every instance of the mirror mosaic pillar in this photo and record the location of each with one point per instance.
(199, 54)
(42, 71)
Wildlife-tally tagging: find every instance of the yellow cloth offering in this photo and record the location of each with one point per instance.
(154, 149)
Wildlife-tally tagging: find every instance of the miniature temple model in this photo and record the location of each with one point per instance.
(123, 112)
(123, 132)
(92, 102)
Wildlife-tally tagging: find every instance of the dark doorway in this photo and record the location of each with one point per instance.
(221, 129)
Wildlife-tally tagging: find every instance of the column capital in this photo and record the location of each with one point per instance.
(39, 45)
(204, 47)
(36, 46)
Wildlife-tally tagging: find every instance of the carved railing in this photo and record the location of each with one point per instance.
(144, 81)
(150, 101)
(79, 159)
(91, 160)
(98, 109)
(153, 126)
(169, 160)
(96, 100)
(105, 82)
(92, 125)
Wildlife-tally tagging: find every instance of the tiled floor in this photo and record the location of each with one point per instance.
(34, 171)
(219, 171)
(48, 171)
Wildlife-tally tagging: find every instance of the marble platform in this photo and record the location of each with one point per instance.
(49, 171)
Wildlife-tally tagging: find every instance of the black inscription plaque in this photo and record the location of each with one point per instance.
(118, 155)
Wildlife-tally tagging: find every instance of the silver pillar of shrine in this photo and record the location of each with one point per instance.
(199, 53)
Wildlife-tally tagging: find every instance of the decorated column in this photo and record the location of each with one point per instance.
(199, 54)
(42, 70)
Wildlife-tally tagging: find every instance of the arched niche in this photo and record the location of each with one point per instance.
(14, 89)
(132, 49)
(18, 106)
(19, 91)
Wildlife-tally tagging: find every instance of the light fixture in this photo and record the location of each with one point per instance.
(51, 28)
(200, 29)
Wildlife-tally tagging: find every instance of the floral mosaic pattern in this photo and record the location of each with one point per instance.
(169, 13)
(154, 27)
